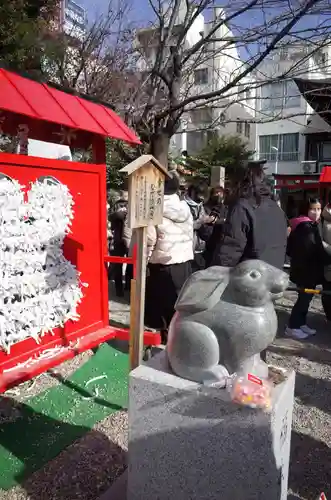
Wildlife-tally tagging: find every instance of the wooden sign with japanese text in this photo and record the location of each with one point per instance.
(146, 191)
(146, 188)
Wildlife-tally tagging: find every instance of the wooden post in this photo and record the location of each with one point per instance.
(217, 176)
(137, 310)
(133, 347)
(146, 191)
(99, 150)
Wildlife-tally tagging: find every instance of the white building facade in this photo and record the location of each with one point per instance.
(283, 116)
(229, 116)
(72, 18)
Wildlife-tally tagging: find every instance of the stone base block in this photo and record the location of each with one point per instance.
(188, 441)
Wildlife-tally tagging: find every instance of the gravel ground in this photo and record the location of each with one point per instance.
(88, 467)
(310, 466)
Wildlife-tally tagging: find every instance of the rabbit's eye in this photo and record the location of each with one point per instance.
(255, 274)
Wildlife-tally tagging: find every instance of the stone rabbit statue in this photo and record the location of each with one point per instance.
(224, 318)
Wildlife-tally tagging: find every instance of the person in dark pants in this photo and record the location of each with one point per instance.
(255, 227)
(121, 243)
(170, 253)
(211, 233)
(308, 257)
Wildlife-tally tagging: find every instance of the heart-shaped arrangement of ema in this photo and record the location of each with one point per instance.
(39, 289)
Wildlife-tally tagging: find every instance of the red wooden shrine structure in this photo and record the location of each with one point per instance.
(58, 117)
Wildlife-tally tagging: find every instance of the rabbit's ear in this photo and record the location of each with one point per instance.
(202, 290)
(50, 207)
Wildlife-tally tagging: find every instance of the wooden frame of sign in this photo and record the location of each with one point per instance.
(146, 194)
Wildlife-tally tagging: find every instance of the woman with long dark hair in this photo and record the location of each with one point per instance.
(255, 227)
(308, 257)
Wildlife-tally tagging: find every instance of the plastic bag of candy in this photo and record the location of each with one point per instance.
(251, 391)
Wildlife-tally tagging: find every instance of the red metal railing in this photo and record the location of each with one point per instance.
(115, 259)
(150, 338)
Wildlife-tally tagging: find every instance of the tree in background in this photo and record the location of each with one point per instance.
(22, 26)
(166, 91)
(148, 75)
(230, 152)
(98, 61)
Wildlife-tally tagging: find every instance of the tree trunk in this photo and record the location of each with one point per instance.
(160, 143)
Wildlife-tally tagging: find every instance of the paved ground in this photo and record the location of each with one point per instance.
(310, 471)
(87, 468)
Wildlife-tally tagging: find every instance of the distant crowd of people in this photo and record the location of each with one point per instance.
(223, 229)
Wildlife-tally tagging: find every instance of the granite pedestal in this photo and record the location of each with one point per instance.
(188, 441)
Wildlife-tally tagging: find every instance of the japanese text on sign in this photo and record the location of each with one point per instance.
(148, 197)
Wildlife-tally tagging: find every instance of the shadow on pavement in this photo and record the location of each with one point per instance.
(310, 471)
(314, 392)
(85, 470)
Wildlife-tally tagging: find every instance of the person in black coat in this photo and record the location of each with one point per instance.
(308, 257)
(255, 227)
(211, 232)
(117, 218)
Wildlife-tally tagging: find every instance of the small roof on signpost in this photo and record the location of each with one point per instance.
(141, 162)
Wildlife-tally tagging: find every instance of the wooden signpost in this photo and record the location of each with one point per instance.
(146, 193)
(217, 176)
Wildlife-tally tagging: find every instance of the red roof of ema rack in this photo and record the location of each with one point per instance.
(38, 101)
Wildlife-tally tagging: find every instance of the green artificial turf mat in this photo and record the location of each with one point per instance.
(49, 422)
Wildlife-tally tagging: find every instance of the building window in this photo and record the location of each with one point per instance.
(283, 147)
(198, 139)
(326, 150)
(283, 53)
(239, 127)
(280, 95)
(247, 130)
(201, 76)
(201, 116)
(321, 57)
(271, 96)
(292, 96)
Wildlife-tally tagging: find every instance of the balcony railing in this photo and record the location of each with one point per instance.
(282, 156)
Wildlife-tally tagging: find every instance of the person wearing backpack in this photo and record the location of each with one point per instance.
(255, 227)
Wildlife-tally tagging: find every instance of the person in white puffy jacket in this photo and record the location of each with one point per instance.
(170, 253)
